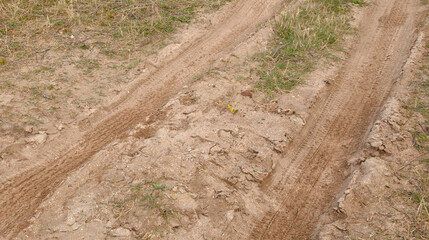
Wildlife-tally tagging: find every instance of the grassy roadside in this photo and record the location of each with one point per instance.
(59, 58)
(418, 173)
(419, 101)
(150, 202)
(301, 37)
(30, 26)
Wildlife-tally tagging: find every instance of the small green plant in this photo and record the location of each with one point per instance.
(148, 197)
(8, 84)
(35, 91)
(360, 3)
(198, 77)
(418, 104)
(156, 186)
(417, 197)
(422, 138)
(232, 110)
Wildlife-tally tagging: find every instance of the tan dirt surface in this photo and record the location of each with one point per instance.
(312, 171)
(170, 159)
(384, 197)
(22, 194)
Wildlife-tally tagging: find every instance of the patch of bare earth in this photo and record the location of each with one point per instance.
(386, 195)
(190, 154)
(60, 61)
(25, 187)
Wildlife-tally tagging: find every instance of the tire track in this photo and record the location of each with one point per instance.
(21, 195)
(311, 175)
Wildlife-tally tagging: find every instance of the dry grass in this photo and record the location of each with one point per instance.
(414, 201)
(59, 58)
(301, 37)
(418, 172)
(150, 203)
(419, 102)
(117, 27)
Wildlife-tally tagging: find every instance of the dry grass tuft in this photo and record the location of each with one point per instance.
(302, 36)
(418, 173)
(59, 58)
(116, 26)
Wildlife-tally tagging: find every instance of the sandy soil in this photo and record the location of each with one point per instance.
(22, 193)
(170, 160)
(376, 202)
(312, 171)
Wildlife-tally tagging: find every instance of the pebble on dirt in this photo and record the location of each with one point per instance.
(247, 93)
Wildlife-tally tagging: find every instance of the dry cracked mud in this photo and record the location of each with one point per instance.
(169, 159)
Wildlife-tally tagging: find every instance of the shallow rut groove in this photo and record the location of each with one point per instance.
(21, 195)
(310, 174)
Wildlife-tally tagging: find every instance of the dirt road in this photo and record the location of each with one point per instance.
(22, 194)
(311, 172)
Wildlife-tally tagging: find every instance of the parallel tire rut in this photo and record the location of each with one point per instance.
(21, 195)
(339, 123)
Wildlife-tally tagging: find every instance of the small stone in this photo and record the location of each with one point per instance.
(376, 144)
(247, 93)
(60, 127)
(70, 220)
(285, 111)
(28, 129)
(120, 232)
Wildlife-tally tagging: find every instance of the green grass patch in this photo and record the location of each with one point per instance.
(302, 36)
(121, 24)
(148, 199)
(417, 197)
(419, 101)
